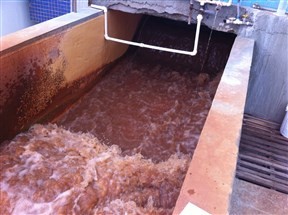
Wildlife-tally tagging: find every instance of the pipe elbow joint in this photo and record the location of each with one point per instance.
(99, 7)
(193, 53)
(199, 17)
(226, 4)
(105, 10)
(106, 37)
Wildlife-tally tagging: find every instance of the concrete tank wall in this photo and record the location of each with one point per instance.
(268, 86)
(48, 65)
(38, 73)
(209, 180)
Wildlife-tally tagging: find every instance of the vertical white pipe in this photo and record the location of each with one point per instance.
(284, 125)
(238, 9)
(282, 7)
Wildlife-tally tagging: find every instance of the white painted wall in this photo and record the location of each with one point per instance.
(14, 16)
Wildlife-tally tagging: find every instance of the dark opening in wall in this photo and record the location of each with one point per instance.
(212, 52)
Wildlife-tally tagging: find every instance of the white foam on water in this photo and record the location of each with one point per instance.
(59, 171)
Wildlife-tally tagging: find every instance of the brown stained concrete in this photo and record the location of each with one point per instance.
(209, 180)
(88, 48)
(39, 63)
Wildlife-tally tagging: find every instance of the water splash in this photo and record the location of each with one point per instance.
(52, 170)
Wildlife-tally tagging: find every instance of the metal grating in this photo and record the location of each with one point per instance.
(42, 10)
(263, 154)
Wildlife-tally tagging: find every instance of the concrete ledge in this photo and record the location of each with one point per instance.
(12, 41)
(209, 180)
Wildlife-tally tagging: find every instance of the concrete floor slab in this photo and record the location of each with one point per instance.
(248, 198)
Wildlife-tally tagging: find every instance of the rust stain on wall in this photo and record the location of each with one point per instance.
(39, 77)
(29, 83)
(39, 94)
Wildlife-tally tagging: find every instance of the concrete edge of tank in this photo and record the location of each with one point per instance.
(33, 33)
(209, 180)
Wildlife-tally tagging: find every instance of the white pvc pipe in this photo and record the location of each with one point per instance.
(217, 2)
(142, 45)
(282, 7)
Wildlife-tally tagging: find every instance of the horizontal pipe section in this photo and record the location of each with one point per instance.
(142, 45)
(218, 3)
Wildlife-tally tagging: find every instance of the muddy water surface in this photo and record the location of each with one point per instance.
(154, 103)
(126, 145)
(148, 109)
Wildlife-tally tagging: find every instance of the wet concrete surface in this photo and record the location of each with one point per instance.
(148, 109)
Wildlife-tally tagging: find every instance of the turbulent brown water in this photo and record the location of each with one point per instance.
(50, 170)
(126, 145)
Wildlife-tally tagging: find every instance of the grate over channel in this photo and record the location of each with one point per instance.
(263, 154)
